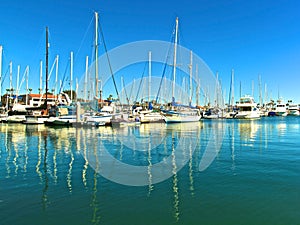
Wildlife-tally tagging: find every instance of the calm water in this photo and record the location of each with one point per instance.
(214, 172)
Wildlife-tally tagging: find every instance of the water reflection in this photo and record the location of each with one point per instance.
(191, 170)
(248, 129)
(175, 182)
(214, 136)
(281, 127)
(231, 133)
(86, 163)
(150, 186)
(51, 158)
(46, 178)
(39, 160)
(69, 175)
(95, 203)
(148, 147)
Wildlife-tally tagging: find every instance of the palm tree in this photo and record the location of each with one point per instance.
(110, 97)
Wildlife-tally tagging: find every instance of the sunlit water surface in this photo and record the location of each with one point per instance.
(251, 173)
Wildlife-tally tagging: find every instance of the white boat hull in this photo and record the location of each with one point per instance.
(294, 113)
(16, 118)
(279, 113)
(181, 119)
(151, 117)
(121, 123)
(35, 119)
(61, 120)
(3, 118)
(247, 115)
(98, 119)
(213, 116)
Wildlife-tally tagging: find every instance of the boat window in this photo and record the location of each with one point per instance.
(243, 109)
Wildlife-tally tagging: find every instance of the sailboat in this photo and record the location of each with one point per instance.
(145, 112)
(231, 112)
(179, 114)
(3, 110)
(17, 111)
(38, 115)
(105, 115)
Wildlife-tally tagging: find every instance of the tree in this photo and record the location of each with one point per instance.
(110, 97)
(68, 92)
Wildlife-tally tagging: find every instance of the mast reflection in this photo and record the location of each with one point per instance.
(39, 160)
(46, 178)
(150, 186)
(175, 182)
(69, 175)
(191, 170)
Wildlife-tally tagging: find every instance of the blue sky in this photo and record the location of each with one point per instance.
(252, 37)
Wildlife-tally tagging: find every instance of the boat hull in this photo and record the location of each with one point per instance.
(181, 119)
(151, 118)
(61, 121)
(294, 113)
(16, 119)
(35, 119)
(247, 115)
(281, 114)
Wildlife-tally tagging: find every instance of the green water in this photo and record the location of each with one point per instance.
(57, 176)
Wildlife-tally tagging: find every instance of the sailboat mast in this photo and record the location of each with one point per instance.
(71, 75)
(198, 86)
(17, 85)
(96, 54)
(217, 90)
(56, 76)
(149, 81)
(1, 49)
(266, 94)
(232, 88)
(47, 61)
(86, 77)
(260, 91)
(10, 79)
(27, 88)
(191, 77)
(174, 62)
(41, 77)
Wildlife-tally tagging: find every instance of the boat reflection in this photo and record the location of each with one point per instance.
(191, 170)
(248, 129)
(72, 159)
(95, 203)
(175, 183)
(281, 127)
(45, 200)
(150, 186)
